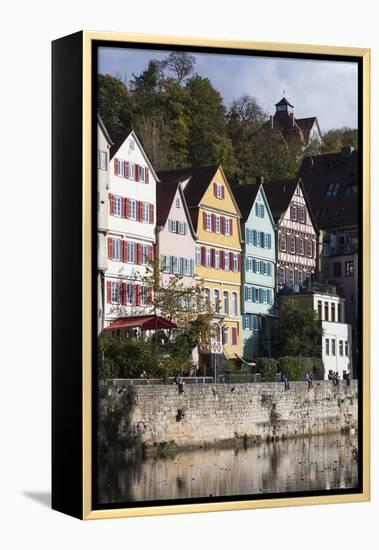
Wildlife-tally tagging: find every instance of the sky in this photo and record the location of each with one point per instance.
(326, 89)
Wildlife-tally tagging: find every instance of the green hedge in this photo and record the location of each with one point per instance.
(296, 367)
(268, 368)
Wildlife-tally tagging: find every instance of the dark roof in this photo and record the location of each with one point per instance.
(318, 173)
(283, 101)
(118, 140)
(245, 197)
(279, 195)
(200, 179)
(166, 192)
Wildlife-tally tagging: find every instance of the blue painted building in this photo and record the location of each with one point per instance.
(258, 271)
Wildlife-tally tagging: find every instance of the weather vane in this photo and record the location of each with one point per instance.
(284, 92)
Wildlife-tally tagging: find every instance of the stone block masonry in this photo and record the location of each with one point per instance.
(213, 414)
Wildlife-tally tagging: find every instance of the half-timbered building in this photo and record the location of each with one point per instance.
(296, 231)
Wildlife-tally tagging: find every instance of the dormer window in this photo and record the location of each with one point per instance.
(131, 145)
(177, 203)
(333, 189)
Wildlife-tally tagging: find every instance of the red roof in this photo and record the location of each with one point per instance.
(144, 322)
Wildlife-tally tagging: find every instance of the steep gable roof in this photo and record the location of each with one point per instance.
(166, 192)
(199, 180)
(120, 139)
(283, 101)
(318, 173)
(245, 196)
(104, 130)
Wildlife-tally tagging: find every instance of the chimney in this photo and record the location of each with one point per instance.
(260, 180)
(271, 122)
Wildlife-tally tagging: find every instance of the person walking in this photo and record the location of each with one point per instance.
(179, 382)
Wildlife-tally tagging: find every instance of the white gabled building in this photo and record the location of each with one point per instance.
(337, 336)
(131, 204)
(104, 144)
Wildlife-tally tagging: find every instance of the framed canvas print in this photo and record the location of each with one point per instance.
(210, 275)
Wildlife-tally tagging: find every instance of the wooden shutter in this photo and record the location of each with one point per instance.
(213, 223)
(223, 192)
(203, 255)
(111, 204)
(151, 213)
(109, 292)
(239, 262)
(123, 208)
(222, 224)
(150, 294)
(231, 226)
(231, 262)
(146, 175)
(126, 169)
(215, 189)
(204, 220)
(139, 254)
(222, 259)
(125, 253)
(123, 293)
(234, 336)
(115, 167)
(139, 210)
(110, 248)
(137, 293)
(213, 254)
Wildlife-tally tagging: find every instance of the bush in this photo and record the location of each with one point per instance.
(268, 368)
(296, 367)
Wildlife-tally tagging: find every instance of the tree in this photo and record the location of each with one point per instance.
(115, 104)
(181, 64)
(299, 332)
(335, 139)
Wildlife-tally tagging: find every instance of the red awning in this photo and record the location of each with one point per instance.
(144, 322)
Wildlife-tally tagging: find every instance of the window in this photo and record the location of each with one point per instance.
(267, 240)
(131, 144)
(319, 310)
(182, 228)
(208, 257)
(337, 270)
(326, 311)
(327, 349)
(207, 295)
(120, 167)
(208, 222)
(145, 254)
(234, 336)
(117, 201)
(198, 256)
(333, 346)
(333, 312)
(218, 224)
(143, 296)
(349, 269)
(283, 243)
(188, 267)
(177, 202)
(103, 160)
(256, 295)
(291, 276)
(333, 189)
(281, 275)
(341, 348)
(226, 302)
(146, 212)
(225, 335)
(132, 209)
(172, 226)
(292, 245)
(235, 262)
(217, 259)
(116, 249)
(115, 293)
(301, 246)
(346, 348)
(339, 313)
(166, 263)
(259, 210)
(141, 174)
(219, 191)
(293, 213)
(216, 300)
(309, 249)
(132, 170)
(227, 261)
(302, 215)
(234, 304)
(129, 294)
(227, 226)
(176, 265)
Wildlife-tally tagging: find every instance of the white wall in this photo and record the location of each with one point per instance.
(27, 28)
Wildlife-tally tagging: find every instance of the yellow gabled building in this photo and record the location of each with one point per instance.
(216, 219)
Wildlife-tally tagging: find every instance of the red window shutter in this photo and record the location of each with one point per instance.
(109, 292)
(125, 251)
(231, 226)
(127, 208)
(151, 253)
(123, 293)
(222, 259)
(126, 169)
(150, 294)
(223, 192)
(151, 213)
(139, 208)
(111, 204)
(110, 248)
(239, 262)
(203, 255)
(123, 208)
(223, 225)
(215, 189)
(231, 261)
(213, 222)
(204, 220)
(213, 254)
(137, 294)
(234, 336)
(146, 175)
(137, 172)
(139, 254)
(115, 167)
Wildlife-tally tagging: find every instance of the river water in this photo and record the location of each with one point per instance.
(302, 464)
